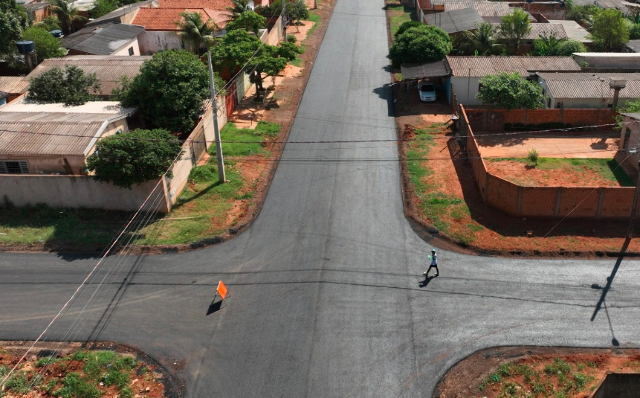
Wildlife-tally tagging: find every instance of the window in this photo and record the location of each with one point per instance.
(130, 50)
(14, 167)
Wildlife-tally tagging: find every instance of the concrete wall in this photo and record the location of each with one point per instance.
(74, 191)
(630, 138)
(484, 120)
(548, 202)
(465, 88)
(275, 35)
(609, 60)
(125, 50)
(150, 42)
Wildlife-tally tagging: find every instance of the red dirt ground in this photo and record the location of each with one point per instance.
(467, 376)
(523, 174)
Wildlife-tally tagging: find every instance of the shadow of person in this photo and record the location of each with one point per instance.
(426, 280)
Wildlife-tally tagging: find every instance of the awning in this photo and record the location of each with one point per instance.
(421, 71)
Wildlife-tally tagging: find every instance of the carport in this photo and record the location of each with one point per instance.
(437, 73)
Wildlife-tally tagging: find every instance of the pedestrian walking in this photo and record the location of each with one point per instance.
(434, 263)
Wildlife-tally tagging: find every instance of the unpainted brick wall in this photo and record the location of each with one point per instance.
(492, 120)
(548, 202)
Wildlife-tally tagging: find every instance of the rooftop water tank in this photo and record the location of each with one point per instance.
(56, 33)
(25, 47)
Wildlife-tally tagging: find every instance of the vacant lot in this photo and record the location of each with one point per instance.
(570, 172)
(518, 146)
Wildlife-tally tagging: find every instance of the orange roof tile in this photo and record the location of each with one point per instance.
(212, 4)
(166, 19)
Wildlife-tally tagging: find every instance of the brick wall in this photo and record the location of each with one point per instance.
(548, 202)
(491, 120)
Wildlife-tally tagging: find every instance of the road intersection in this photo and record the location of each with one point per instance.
(326, 286)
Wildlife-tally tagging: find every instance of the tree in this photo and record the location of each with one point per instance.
(234, 50)
(170, 90)
(67, 13)
(406, 26)
(270, 61)
(424, 43)
(297, 11)
(72, 87)
(609, 31)
(195, 32)
(103, 7)
(634, 32)
(46, 45)
(629, 107)
(510, 91)
(547, 45)
(515, 26)
(238, 7)
(49, 23)
(248, 20)
(483, 40)
(12, 21)
(582, 14)
(134, 157)
(568, 47)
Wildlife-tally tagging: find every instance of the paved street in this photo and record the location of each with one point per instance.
(325, 286)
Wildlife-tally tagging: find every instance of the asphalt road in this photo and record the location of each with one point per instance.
(326, 296)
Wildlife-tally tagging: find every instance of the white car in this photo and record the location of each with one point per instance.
(427, 92)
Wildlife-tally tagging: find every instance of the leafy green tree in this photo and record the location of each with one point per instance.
(547, 45)
(234, 50)
(297, 11)
(270, 61)
(103, 7)
(72, 87)
(170, 90)
(482, 41)
(46, 45)
(510, 91)
(629, 107)
(634, 32)
(248, 20)
(515, 26)
(609, 31)
(238, 7)
(196, 32)
(12, 21)
(424, 43)
(67, 13)
(405, 26)
(582, 14)
(49, 23)
(133, 158)
(571, 46)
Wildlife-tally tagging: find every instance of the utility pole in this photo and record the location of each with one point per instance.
(634, 207)
(315, 5)
(214, 108)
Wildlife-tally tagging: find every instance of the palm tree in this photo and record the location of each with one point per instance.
(482, 41)
(515, 26)
(67, 14)
(238, 7)
(195, 32)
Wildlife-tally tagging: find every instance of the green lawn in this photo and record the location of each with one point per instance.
(407, 14)
(200, 212)
(606, 168)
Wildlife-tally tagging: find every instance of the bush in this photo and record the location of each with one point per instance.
(291, 39)
(533, 157)
(46, 45)
(72, 87)
(510, 91)
(76, 387)
(419, 44)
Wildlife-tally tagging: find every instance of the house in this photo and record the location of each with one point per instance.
(106, 39)
(108, 69)
(161, 24)
(466, 72)
(589, 90)
(490, 11)
(622, 61)
(455, 21)
(11, 87)
(37, 10)
(123, 14)
(53, 138)
(573, 30)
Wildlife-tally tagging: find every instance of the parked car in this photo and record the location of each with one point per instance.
(427, 92)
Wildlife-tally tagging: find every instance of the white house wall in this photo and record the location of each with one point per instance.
(124, 51)
(465, 89)
(152, 42)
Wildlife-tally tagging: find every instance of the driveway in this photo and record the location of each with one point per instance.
(326, 293)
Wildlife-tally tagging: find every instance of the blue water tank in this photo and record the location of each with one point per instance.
(56, 33)
(25, 47)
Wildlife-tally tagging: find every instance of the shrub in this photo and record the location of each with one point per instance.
(291, 39)
(533, 157)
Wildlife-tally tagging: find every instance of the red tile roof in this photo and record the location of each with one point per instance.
(212, 4)
(166, 19)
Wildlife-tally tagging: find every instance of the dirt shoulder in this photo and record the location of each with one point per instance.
(535, 372)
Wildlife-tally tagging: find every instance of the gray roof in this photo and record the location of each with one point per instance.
(573, 29)
(108, 69)
(633, 45)
(102, 40)
(484, 8)
(116, 15)
(456, 20)
(13, 84)
(632, 115)
(539, 29)
(419, 71)
(590, 85)
(482, 66)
